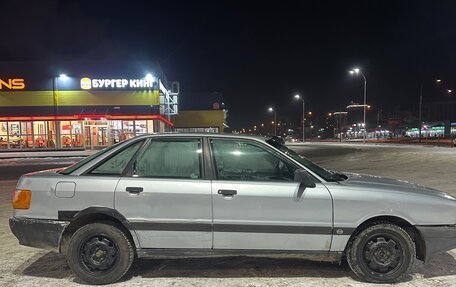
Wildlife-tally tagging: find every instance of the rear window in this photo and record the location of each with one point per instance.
(77, 165)
(118, 162)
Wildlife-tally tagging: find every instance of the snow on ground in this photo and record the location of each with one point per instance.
(435, 167)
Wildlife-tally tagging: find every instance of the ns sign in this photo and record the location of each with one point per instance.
(12, 84)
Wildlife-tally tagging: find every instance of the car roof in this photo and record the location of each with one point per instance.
(219, 135)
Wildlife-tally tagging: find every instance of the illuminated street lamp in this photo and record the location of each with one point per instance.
(275, 119)
(357, 71)
(298, 97)
(63, 77)
(449, 91)
(149, 77)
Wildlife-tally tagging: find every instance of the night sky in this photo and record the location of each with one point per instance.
(256, 53)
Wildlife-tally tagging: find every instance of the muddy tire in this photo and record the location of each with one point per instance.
(100, 253)
(381, 253)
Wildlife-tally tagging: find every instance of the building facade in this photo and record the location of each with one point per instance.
(81, 105)
(201, 112)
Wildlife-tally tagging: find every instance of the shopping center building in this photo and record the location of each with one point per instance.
(82, 105)
(201, 112)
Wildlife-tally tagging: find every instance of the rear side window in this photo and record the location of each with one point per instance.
(118, 162)
(170, 158)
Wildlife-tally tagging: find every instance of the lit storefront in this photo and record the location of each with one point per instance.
(79, 110)
(437, 131)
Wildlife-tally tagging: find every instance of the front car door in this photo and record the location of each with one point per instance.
(257, 205)
(166, 198)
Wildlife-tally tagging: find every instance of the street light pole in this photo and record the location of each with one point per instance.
(55, 93)
(420, 126)
(420, 119)
(275, 123)
(275, 119)
(365, 96)
(357, 71)
(303, 121)
(303, 117)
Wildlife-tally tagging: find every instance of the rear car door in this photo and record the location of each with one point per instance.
(165, 197)
(257, 205)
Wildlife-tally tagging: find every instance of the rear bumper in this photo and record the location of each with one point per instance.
(39, 233)
(438, 239)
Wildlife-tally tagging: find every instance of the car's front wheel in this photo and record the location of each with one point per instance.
(100, 253)
(382, 253)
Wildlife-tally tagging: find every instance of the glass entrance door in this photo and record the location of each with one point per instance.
(96, 136)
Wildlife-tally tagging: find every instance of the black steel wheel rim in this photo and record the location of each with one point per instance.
(382, 254)
(98, 254)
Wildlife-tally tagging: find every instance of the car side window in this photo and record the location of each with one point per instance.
(117, 163)
(245, 161)
(170, 158)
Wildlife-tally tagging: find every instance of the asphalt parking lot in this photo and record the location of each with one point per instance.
(435, 167)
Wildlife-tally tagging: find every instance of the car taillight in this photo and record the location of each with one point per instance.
(22, 199)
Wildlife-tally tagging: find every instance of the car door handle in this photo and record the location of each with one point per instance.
(227, 192)
(133, 189)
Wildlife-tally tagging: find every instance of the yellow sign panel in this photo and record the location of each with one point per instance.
(79, 98)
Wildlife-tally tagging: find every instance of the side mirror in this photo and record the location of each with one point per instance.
(304, 178)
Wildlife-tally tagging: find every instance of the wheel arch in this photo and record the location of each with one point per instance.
(416, 236)
(96, 214)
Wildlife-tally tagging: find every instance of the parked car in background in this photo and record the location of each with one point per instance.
(178, 195)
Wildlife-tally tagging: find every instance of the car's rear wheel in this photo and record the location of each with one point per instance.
(382, 253)
(99, 253)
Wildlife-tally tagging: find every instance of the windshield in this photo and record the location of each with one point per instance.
(323, 173)
(77, 165)
(327, 175)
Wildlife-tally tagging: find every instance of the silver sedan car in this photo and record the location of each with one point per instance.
(180, 195)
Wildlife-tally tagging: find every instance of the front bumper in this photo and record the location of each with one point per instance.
(438, 239)
(39, 233)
